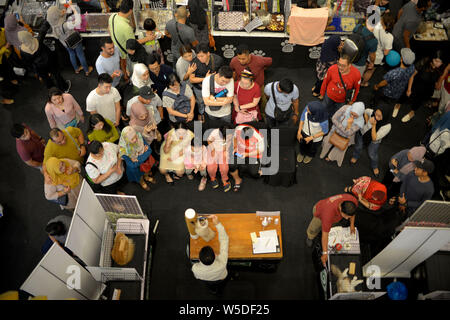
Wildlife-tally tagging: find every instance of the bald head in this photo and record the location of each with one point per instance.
(181, 12)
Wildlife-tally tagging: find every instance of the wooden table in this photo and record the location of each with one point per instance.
(238, 227)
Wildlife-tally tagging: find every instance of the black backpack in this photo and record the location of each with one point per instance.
(181, 104)
(359, 41)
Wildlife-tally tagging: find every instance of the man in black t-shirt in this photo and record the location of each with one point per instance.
(207, 63)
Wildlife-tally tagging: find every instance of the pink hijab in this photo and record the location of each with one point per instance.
(417, 154)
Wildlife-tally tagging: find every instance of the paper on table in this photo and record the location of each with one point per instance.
(253, 236)
(265, 245)
(268, 233)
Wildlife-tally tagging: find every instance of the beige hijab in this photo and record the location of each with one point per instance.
(29, 43)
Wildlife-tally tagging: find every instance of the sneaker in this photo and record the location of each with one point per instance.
(407, 118)
(69, 85)
(309, 242)
(300, 158)
(227, 187)
(214, 184)
(395, 112)
(202, 184)
(307, 159)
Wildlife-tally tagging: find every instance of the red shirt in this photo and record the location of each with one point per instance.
(32, 149)
(246, 96)
(332, 84)
(257, 65)
(327, 210)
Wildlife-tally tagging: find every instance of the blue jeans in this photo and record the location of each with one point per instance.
(77, 52)
(372, 150)
(199, 98)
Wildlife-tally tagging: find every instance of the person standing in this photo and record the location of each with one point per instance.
(329, 55)
(159, 73)
(408, 20)
(62, 110)
(105, 99)
(367, 56)
(284, 96)
(30, 146)
(312, 127)
(247, 96)
(120, 30)
(151, 101)
(101, 129)
(221, 83)
(109, 61)
(212, 268)
(63, 23)
(206, 64)
(257, 64)
(198, 19)
(185, 66)
(335, 92)
(180, 33)
(328, 212)
(417, 187)
(394, 82)
(68, 143)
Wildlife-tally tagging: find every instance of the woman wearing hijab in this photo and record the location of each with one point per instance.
(329, 55)
(346, 122)
(6, 55)
(140, 77)
(62, 27)
(137, 155)
(37, 56)
(62, 184)
(144, 122)
(136, 54)
(400, 165)
(197, 19)
(371, 193)
(376, 127)
(311, 129)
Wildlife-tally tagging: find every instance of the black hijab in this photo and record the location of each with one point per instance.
(367, 138)
(329, 50)
(139, 54)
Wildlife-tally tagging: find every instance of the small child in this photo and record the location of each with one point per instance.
(152, 33)
(195, 156)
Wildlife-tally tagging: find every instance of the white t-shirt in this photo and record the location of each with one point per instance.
(385, 40)
(152, 107)
(108, 160)
(104, 105)
(226, 109)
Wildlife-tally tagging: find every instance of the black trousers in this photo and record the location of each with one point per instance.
(393, 188)
(309, 149)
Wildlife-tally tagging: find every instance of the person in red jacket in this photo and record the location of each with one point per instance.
(332, 90)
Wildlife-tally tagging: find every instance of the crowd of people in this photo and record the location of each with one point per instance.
(141, 115)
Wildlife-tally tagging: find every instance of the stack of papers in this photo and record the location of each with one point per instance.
(266, 243)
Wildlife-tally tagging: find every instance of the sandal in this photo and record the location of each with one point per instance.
(79, 69)
(327, 159)
(169, 182)
(90, 68)
(150, 179)
(144, 185)
(316, 94)
(236, 187)
(364, 85)
(175, 176)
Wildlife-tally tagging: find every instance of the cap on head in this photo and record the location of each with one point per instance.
(146, 92)
(425, 165)
(408, 56)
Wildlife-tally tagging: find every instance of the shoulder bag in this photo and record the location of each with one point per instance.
(181, 103)
(348, 94)
(114, 35)
(63, 200)
(73, 39)
(178, 33)
(212, 88)
(280, 115)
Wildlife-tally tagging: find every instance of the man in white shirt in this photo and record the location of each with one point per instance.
(212, 268)
(105, 99)
(218, 105)
(109, 61)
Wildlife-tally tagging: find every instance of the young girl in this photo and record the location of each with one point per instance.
(195, 157)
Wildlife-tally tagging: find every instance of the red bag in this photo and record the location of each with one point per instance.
(147, 165)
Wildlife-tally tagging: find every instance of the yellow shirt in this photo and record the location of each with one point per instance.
(69, 150)
(3, 49)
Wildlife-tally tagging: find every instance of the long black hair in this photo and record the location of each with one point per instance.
(197, 14)
(96, 118)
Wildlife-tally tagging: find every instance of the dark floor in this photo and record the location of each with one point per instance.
(27, 212)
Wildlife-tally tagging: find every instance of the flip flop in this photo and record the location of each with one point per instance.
(79, 69)
(237, 187)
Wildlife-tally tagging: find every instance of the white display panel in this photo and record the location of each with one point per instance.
(84, 242)
(51, 275)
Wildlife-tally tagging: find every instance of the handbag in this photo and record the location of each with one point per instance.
(348, 94)
(212, 42)
(73, 39)
(249, 116)
(280, 115)
(147, 165)
(339, 141)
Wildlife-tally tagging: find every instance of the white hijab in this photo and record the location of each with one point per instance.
(138, 70)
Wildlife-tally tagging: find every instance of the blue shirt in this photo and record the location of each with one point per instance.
(109, 65)
(161, 82)
(284, 100)
(369, 47)
(397, 80)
